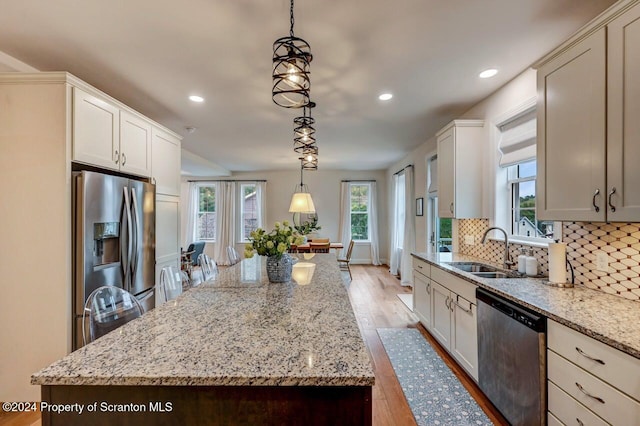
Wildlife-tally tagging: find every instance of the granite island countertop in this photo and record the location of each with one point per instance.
(236, 330)
(607, 318)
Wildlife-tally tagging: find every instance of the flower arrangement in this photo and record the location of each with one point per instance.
(275, 243)
(308, 226)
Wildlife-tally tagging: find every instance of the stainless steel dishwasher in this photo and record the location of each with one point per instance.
(512, 358)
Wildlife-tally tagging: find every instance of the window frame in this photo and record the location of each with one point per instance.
(198, 212)
(368, 212)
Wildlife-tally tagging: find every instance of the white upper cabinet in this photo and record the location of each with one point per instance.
(110, 135)
(571, 133)
(588, 126)
(623, 117)
(135, 144)
(166, 162)
(96, 131)
(460, 169)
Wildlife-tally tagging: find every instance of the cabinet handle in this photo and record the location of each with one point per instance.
(117, 157)
(461, 307)
(419, 266)
(611, 206)
(124, 159)
(428, 288)
(446, 303)
(579, 422)
(451, 208)
(595, 206)
(581, 352)
(600, 400)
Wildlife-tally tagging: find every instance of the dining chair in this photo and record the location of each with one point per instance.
(343, 262)
(208, 266)
(170, 284)
(233, 255)
(186, 281)
(316, 247)
(107, 308)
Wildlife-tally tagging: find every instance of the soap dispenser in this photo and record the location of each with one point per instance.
(531, 264)
(522, 261)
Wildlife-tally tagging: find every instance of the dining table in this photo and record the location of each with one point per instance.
(306, 247)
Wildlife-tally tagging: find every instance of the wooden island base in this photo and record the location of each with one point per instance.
(208, 405)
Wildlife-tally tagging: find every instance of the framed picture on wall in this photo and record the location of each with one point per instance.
(419, 206)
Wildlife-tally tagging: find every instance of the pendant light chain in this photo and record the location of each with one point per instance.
(291, 19)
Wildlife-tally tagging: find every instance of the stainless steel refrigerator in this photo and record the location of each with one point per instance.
(114, 239)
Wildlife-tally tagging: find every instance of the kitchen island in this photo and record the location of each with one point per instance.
(234, 350)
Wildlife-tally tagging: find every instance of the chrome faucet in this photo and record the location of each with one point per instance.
(507, 259)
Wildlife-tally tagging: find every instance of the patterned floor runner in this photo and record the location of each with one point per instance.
(435, 395)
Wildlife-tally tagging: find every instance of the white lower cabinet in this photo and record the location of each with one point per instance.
(589, 382)
(454, 325)
(167, 234)
(422, 298)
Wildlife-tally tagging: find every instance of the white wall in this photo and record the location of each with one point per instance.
(508, 97)
(324, 186)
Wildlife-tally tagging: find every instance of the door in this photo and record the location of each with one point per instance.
(143, 218)
(422, 298)
(446, 173)
(96, 136)
(441, 314)
(135, 144)
(464, 335)
(623, 131)
(571, 133)
(100, 233)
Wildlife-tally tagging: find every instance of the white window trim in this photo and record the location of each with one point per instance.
(368, 240)
(240, 198)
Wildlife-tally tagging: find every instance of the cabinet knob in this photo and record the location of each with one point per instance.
(117, 159)
(595, 206)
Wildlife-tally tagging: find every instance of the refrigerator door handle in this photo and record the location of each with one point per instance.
(127, 207)
(136, 236)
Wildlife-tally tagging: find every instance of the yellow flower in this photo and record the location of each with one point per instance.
(282, 247)
(248, 254)
(270, 244)
(285, 222)
(277, 225)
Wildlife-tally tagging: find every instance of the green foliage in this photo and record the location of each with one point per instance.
(308, 226)
(207, 199)
(359, 226)
(359, 198)
(275, 243)
(445, 228)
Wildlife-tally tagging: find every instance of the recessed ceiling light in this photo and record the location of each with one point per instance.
(385, 96)
(196, 98)
(488, 73)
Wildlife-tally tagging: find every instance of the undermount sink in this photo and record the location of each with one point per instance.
(483, 271)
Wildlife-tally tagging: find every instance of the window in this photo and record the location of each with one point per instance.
(206, 221)
(522, 185)
(249, 214)
(360, 207)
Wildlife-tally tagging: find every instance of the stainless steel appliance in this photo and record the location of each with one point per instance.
(114, 239)
(512, 358)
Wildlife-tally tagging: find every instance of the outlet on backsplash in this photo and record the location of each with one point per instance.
(605, 256)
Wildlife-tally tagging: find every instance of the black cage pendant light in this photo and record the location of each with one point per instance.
(303, 131)
(309, 159)
(291, 59)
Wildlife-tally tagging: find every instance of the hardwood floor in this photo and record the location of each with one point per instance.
(373, 293)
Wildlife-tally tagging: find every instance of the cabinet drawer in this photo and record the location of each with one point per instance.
(613, 406)
(553, 421)
(569, 411)
(577, 348)
(455, 284)
(422, 267)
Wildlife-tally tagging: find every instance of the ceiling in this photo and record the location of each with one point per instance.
(153, 54)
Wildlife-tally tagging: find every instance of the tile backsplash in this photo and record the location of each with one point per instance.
(620, 241)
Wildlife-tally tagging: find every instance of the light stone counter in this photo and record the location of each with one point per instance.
(237, 330)
(609, 319)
